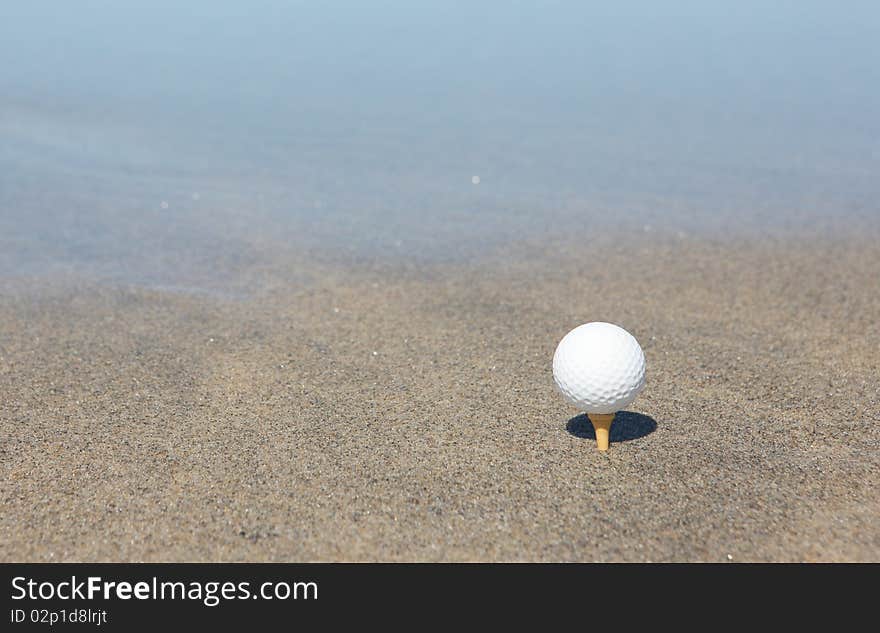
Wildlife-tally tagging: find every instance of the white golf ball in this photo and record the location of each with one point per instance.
(599, 367)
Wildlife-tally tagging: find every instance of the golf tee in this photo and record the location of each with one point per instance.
(602, 424)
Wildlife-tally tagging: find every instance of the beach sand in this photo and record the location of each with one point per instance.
(378, 412)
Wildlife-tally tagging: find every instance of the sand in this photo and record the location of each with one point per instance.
(368, 412)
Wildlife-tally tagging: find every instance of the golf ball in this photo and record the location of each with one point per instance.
(599, 367)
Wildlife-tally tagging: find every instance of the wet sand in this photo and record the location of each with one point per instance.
(383, 413)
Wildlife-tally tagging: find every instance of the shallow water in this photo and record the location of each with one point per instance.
(175, 147)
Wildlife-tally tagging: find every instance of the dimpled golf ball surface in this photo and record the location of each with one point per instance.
(599, 367)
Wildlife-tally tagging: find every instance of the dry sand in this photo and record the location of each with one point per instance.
(377, 413)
